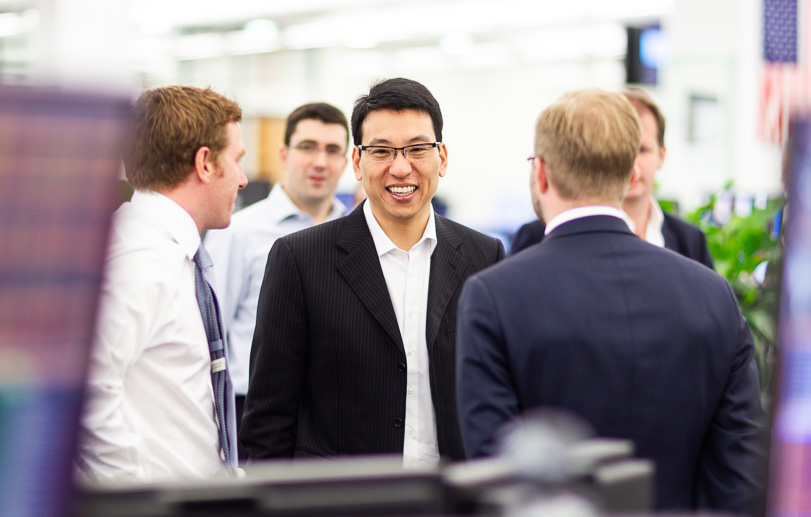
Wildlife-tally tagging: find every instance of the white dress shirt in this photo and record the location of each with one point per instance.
(407, 274)
(240, 253)
(150, 408)
(653, 233)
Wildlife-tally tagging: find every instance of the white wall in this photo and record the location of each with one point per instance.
(716, 53)
(490, 109)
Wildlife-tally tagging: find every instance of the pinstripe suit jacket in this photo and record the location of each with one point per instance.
(328, 367)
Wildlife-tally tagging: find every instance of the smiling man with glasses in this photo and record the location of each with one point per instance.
(313, 158)
(354, 345)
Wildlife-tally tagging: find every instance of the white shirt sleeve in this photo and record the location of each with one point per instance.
(113, 442)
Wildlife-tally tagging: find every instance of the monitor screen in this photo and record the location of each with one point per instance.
(789, 491)
(59, 169)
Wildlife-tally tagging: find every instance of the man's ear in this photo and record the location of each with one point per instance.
(443, 156)
(284, 153)
(356, 163)
(203, 165)
(635, 175)
(541, 175)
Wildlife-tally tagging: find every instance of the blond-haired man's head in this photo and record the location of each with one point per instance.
(588, 141)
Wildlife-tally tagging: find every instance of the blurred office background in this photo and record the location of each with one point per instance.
(493, 66)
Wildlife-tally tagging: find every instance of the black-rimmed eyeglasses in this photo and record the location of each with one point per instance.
(385, 153)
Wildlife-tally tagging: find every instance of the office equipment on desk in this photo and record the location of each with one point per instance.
(59, 166)
(606, 475)
(352, 486)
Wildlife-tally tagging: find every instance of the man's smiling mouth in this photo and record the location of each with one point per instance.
(402, 191)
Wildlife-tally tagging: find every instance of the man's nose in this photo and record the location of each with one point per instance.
(400, 164)
(320, 158)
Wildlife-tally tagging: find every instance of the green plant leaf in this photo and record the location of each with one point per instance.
(738, 248)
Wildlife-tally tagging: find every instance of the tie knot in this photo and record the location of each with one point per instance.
(202, 259)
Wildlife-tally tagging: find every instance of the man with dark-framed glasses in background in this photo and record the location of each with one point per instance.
(353, 351)
(313, 158)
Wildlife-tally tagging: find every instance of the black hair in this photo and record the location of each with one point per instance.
(396, 94)
(326, 113)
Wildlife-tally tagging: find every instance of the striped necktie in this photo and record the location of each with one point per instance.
(220, 378)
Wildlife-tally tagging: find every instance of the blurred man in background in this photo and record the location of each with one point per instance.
(313, 158)
(650, 221)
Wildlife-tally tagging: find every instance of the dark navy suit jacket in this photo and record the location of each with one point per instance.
(680, 236)
(328, 366)
(640, 341)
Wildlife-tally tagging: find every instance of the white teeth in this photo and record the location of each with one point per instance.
(402, 191)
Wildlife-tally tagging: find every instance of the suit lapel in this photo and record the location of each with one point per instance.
(669, 234)
(360, 267)
(447, 271)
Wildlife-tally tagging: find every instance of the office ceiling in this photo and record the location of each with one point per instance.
(369, 22)
(201, 28)
(163, 30)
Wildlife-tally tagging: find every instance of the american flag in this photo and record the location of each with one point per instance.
(784, 83)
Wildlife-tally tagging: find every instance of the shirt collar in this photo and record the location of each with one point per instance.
(587, 211)
(383, 243)
(653, 233)
(174, 218)
(282, 207)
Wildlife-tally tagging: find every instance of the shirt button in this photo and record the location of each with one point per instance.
(398, 422)
(401, 367)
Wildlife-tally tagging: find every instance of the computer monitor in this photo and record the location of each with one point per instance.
(59, 165)
(789, 490)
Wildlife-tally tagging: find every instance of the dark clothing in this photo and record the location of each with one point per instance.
(240, 406)
(680, 236)
(528, 234)
(641, 342)
(686, 239)
(328, 366)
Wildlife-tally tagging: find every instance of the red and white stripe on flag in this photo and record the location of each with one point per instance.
(784, 79)
(780, 84)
